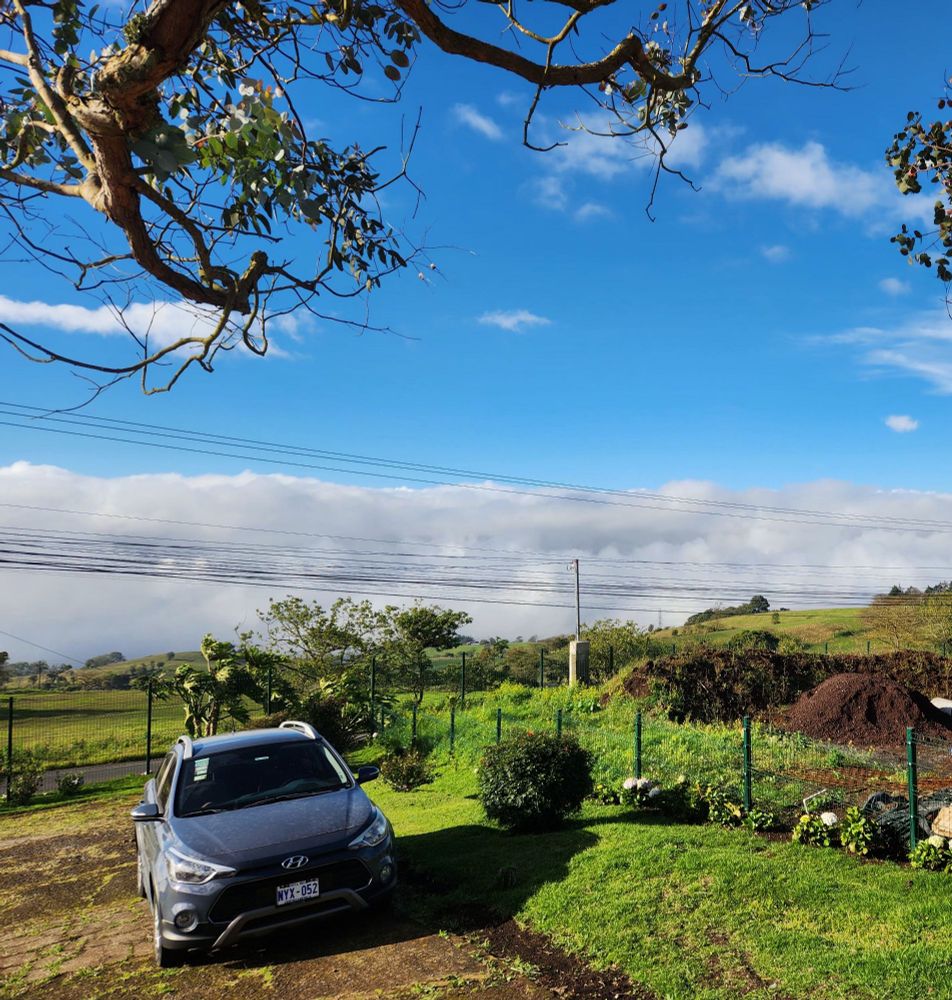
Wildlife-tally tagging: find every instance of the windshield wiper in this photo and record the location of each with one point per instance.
(291, 795)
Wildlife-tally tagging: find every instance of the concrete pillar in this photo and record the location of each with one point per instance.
(578, 662)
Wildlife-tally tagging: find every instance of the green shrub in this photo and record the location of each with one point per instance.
(27, 776)
(534, 780)
(858, 833)
(753, 638)
(639, 792)
(511, 691)
(721, 808)
(69, 784)
(812, 830)
(932, 855)
(605, 794)
(759, 819)
(404, 770)
(681, 802)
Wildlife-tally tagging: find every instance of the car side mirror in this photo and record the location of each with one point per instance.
(367, 773)
(146, 812)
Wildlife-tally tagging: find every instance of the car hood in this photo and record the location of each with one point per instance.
(256, 833)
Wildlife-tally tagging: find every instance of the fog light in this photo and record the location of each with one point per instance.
(186, 920)
(386, 873)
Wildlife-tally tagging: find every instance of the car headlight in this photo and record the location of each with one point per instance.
(191, 871)
(374, 834)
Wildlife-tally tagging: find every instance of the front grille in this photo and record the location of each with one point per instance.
(237, 899)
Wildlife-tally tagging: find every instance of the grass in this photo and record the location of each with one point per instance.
(842, 630)
(690, 911)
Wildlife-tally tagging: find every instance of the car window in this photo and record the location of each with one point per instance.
(249, 776)
(163, 780)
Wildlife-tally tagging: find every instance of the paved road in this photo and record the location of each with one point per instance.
(95, 772)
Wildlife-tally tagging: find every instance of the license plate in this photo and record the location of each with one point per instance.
(297, 892)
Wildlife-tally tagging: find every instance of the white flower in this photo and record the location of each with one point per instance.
(654, 793)
(936, 841)
(629, 784)
(828, 819)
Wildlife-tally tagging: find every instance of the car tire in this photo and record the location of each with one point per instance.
(165, 958)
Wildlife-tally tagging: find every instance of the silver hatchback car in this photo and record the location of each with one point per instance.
(241, 834)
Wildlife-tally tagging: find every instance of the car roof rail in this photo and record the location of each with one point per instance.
(187, 748)
(302, 727)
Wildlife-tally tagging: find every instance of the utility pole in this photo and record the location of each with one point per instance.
(578, 650)
(578, 610)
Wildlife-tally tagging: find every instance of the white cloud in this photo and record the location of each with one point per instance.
(919, 345)
(85, 614)
(893, 286)
(805, 177)
(161, 322)
(901, 423)
(776, 254)
(591, 210)
(549, 192)
(514, 320)
(469, 116)
(580, 154)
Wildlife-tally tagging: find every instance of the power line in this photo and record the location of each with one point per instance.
(354, 464)
(36, 645)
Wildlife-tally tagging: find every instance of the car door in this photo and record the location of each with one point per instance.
(149, 835)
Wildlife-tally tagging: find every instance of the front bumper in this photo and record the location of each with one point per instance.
(224, 920)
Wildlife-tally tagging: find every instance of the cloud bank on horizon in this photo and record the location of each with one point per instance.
(512, 547)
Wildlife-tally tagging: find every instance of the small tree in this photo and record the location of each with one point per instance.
(215, 693)
(411, 632)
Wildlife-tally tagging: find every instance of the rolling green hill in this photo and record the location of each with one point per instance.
(841, 629)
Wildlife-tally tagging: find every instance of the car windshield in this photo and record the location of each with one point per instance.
(253, 775)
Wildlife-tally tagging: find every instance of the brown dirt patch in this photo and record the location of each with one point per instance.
(865, 709)
(559, 972)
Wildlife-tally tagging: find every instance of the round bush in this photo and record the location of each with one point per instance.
(404, 770)
(534, 780)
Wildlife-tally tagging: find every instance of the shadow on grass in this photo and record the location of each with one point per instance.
(461, 879)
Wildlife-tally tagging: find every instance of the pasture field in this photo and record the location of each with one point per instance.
(842, 629)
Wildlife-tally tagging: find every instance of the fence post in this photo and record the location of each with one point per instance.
(270, 690)
(542, 667)
(912, 773)
(498, 724)
(748, 797)
(673, 649)
(148, 729)
(413, 727)
(637, 744)
(452, 728)
(383, 708)
(9, 747)
(558, 722)
(611, 661)
(867, 647)
(826, 648)
(462, 681)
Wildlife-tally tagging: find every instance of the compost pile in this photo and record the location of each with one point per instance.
(865, 709)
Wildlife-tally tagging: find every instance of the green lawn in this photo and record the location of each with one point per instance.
(691, 911)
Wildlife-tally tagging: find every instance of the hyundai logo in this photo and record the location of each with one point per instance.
(296, 861)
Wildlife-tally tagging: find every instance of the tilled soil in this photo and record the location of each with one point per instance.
(75, 930)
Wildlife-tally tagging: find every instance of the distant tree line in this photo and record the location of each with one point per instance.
(757, 605)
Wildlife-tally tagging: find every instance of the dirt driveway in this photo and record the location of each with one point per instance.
(74, 928)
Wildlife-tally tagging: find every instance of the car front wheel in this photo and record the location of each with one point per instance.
(165, 958)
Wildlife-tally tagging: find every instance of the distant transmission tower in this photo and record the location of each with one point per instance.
(659, 619)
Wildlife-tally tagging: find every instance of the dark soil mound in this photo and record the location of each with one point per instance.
(866, 709)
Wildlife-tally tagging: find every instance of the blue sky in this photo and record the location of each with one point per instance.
(700, 345)
(759, 333)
